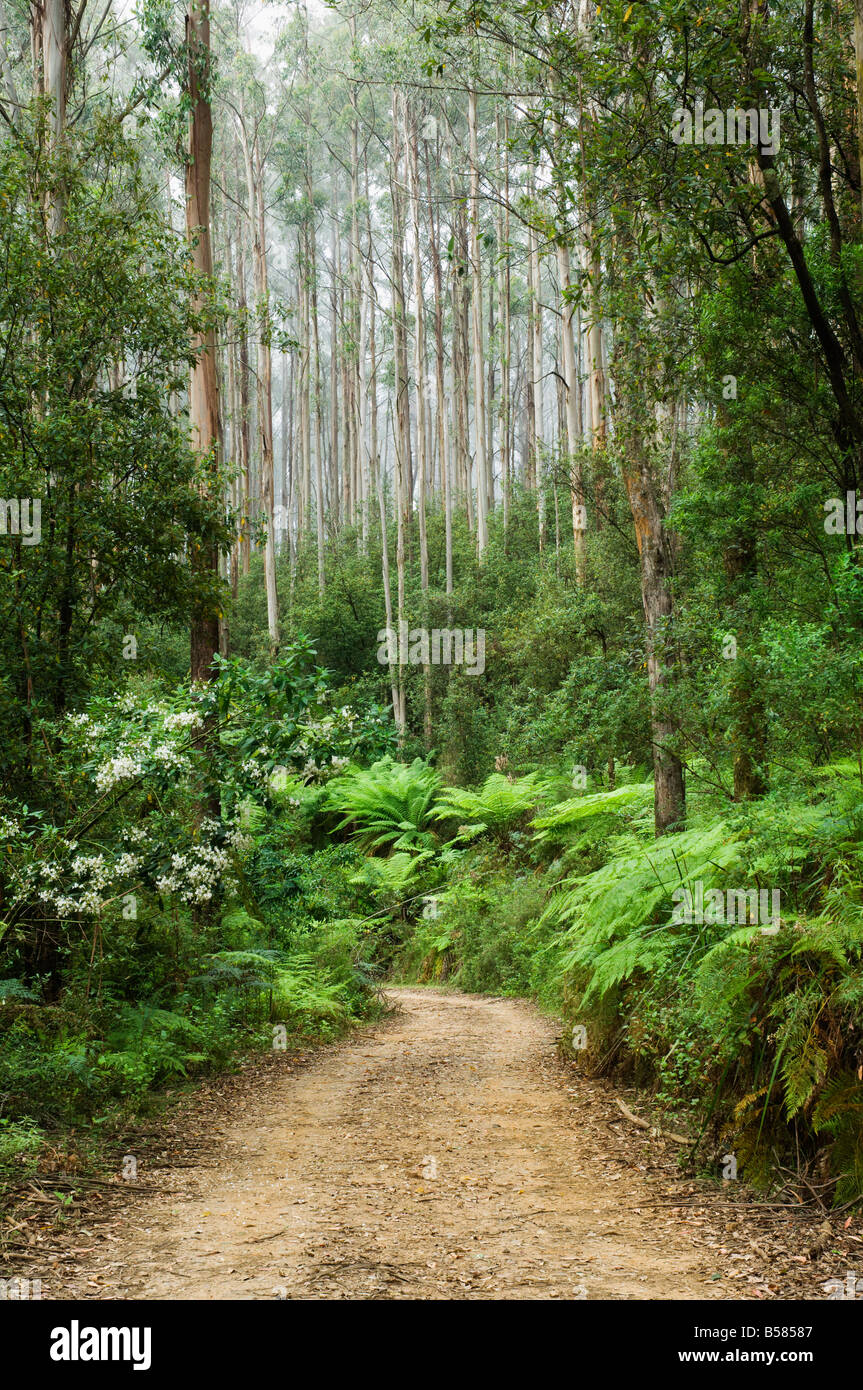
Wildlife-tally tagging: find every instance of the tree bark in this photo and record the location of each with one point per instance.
(573, 422)
(656, 567)
(480, 454)
(203, 388)
(257, 222)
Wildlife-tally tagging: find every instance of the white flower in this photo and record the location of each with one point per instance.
(88, 865)
(127, 864)
(184, 719)
(117, 770)
(169, 757)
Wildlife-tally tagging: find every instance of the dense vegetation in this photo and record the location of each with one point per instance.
(582, 396)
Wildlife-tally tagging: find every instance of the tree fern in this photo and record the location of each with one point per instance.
(497, 807)
(602, 809)
(617, 918)
(389, 803)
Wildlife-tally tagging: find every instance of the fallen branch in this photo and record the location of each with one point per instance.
(642, 1124)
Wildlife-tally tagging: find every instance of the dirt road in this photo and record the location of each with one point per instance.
(444, 1154)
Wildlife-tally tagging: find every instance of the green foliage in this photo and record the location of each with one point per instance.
(119, 489)
(616, 918)
(595, 814)
(478, 936)
(389, 803)
(17, 1138)
(16, 989)
(501, 805)
(278, 988)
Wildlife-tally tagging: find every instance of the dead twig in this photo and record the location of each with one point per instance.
(652, 1129)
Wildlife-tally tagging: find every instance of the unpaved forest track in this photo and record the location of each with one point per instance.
(438, 1155)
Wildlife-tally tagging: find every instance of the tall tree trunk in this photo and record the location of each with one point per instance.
(358, 473)
(572, 402)
(257, 221)
(285, 443)
(749, 717)
(656, 568)
(412, 141)
(592, 268)
(335, 498)
(477, 336)
(245, 407)
(403, 418)
(203, 388)
(503, 314)
(858, 66)
(461, 339)
(54, 45)
(536, 371)
(305, 385)
(318, 404)
(440, 369)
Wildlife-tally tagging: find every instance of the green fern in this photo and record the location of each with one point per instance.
(617, 918)
(389, 803)
(498, 807)
(603, 810)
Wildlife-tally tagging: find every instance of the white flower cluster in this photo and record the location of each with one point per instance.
(152, 742)
(166, 755)
(78, 885)
(234, 835)
(117, 770)
(318, 763)
(313, 769)
(320, 726)
(88, 894)
(9, 827)
(194, 876)
(170, 758)
(183, 719)
(87, 723)
(239, 841)
(91, 881)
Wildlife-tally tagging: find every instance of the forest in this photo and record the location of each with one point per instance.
(431, 457)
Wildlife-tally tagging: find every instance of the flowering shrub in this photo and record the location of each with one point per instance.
(121, 817)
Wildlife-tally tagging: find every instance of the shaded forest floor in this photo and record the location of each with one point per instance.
(445, 1153)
